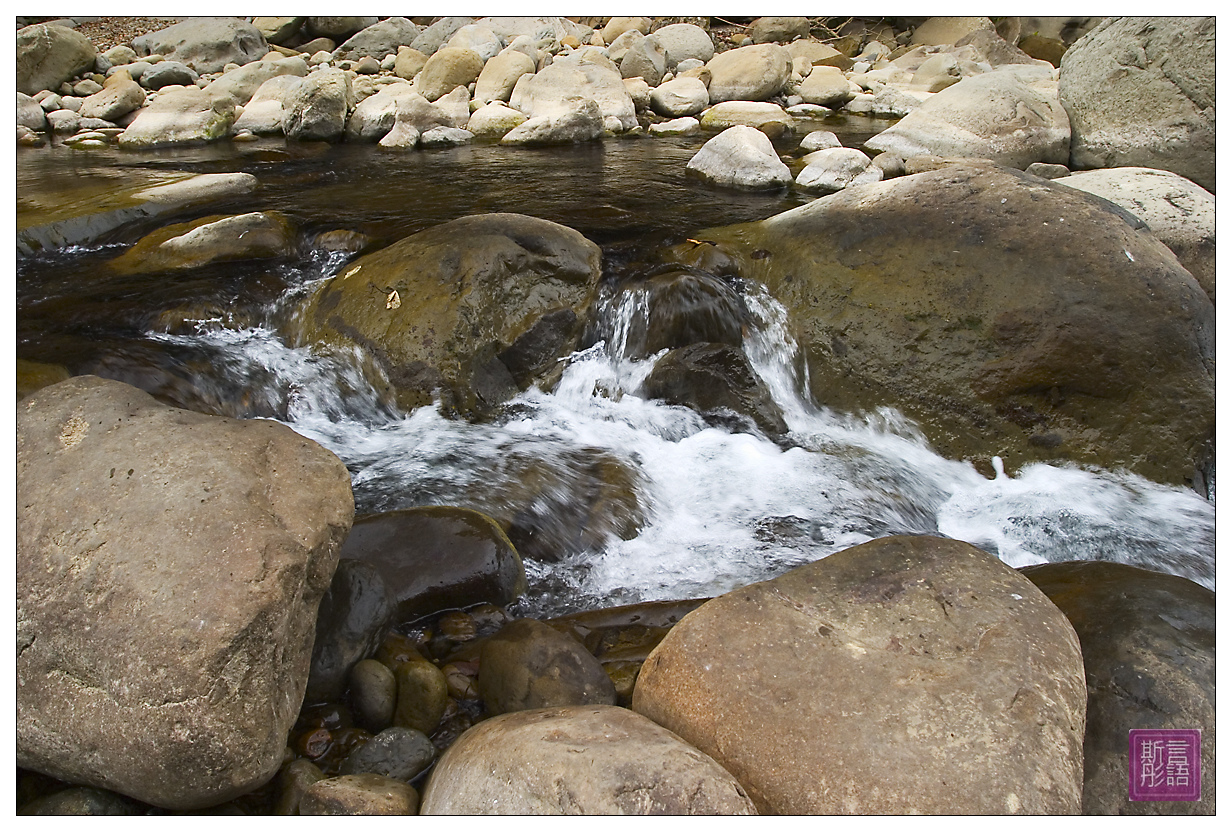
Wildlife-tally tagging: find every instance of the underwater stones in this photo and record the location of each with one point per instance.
(1140, 91)
(169, 567)
(528, 664)
(423, 695)
(740, 157)
(467, 289)
(1088, 330)
(718, 381)
(207, 44)
(590, 760)
(1012, 116)
(437, 557)
(211, 239)
(904, 675)
(1148, 646)
(350, 624)
(400, 753)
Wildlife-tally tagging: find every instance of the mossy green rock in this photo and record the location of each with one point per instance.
(1008, 315)
(438, 308)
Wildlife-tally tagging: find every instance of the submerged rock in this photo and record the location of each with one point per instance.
(169, 567)
(588, 760)
(528, 664)
(210, 239)
(1148, 646)
(1008, 315)
(904, 675)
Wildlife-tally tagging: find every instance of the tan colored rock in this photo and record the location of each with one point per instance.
(448, 67)
(905, 675)
(210, 239)
(119, 96)
(359, 794)
(499, 74)
(750, 73)
(587, 760)
(937, 31)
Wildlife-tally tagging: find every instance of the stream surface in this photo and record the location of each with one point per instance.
(722, 509)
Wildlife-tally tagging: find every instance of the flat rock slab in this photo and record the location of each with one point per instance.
(905, 675)
(169, 568)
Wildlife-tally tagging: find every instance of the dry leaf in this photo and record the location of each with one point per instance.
(393, 301)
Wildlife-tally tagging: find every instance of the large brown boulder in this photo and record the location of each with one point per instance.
(169, 568)
(905, 675)
(438, 308)
(1148, 646)
(1007, 315)
(1140, 91)
(580, 760)
(48, 55)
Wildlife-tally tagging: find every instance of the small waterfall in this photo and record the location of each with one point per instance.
(714, 509)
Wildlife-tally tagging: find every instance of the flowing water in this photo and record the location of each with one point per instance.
(720, 508)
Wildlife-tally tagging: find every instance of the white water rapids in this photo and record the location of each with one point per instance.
(722, 509)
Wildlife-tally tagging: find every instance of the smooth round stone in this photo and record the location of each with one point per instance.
(818, 140)
(528, 664)
(400, 753)
(373, 694)
(360, 794)
(295, 778)
(423, 694)
(80, 800)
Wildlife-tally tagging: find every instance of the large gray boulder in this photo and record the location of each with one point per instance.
(1179, 212)
(207, 44)
(551, 91)
(1011, 116)
(434, 37)
(960, 297)
(186, 115)
(30, 114)
(645, 58)
(750, 73)
(169, 568)
(318, 106)
(478, 283)
(905, 675)
(265, 112)
(48, 55)
(1140, 91)
(580, 760)
(378, 40)
(239, 85)
(740, 157)
(682, 41)
(374, 117)
(1148, 647)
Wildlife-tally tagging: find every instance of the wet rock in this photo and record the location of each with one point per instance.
(819, 140)
(359, 794)
(447, 68)
(750, 73)
(373, 694)
(1148, 646)
(241, 85)
(590, 760)
(528, 664)
(265, 112)
(468, 289)
(904, 675)
(48, 55)
(378, 40)
(499, 75)
(295, 778)
(351, 622)
(170, 565)
(119, 96)
(423, 695)
(896, 296)
(211, 239)
(317, 107)
(445, 137)
(715, 378)
(1140, 91)
(33, 376)
(684, 40)
(81, 800)
(684, 307)
(1012, 116)
(186, 115)
(1179, 212)
(680, 97)
(740, 157)
(399, 753)
(207, 44)
(835, 168)
(437, 557)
